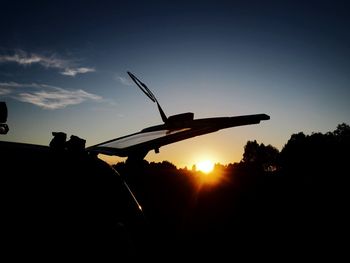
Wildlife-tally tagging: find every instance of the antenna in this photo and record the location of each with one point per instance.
(149, 94)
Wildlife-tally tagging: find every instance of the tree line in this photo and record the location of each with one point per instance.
(269, 198)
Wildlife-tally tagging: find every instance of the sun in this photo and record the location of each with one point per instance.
(205, 166)
(207, 173)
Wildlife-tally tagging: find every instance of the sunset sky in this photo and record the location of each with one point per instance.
(63, 68)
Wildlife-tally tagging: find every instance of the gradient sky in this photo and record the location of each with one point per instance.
(63, 68)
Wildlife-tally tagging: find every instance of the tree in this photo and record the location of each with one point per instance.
(261, 156)
(343, 130)
(251, 150)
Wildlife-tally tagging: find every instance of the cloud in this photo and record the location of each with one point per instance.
(67, 67)
(20, 59)
(23, 58)
(123, 80)
(46, 96)
(56, 99)
(4, 91)
(13, 84)
(72, 72)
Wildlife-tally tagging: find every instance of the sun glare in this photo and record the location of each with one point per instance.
(208, 174)
(206, 166)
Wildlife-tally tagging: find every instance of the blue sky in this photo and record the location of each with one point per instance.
(63, 68)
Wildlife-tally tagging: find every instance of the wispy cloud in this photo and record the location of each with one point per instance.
(13, 84)
(46, 96)
(123, 80)
(67, 67)
(4, 91)
(56, 99)
(74, 71)
(22, 60)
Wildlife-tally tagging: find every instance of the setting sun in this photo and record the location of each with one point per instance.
(205, 166)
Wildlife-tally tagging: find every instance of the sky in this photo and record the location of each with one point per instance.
(63, 67)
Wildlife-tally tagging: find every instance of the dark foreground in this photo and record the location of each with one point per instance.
(73, 205)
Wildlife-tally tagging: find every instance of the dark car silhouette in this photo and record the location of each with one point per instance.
(62, 199)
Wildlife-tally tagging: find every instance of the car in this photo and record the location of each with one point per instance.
(62, 198)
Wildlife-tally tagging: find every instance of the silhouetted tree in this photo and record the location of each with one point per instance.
(260, 156)
(315, 167)
(343, 131)
(316, 155)
(306, 189)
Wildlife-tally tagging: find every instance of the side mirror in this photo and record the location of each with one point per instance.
(3, 118)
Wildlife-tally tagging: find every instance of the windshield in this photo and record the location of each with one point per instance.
(139, 138)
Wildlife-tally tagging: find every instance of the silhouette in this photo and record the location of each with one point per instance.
(295, 208)
(291, 210)
(264, 157)
(64, 195)
(75, 145)
(3, 118)
(58, 143)
(174, 128)
(66, 203)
